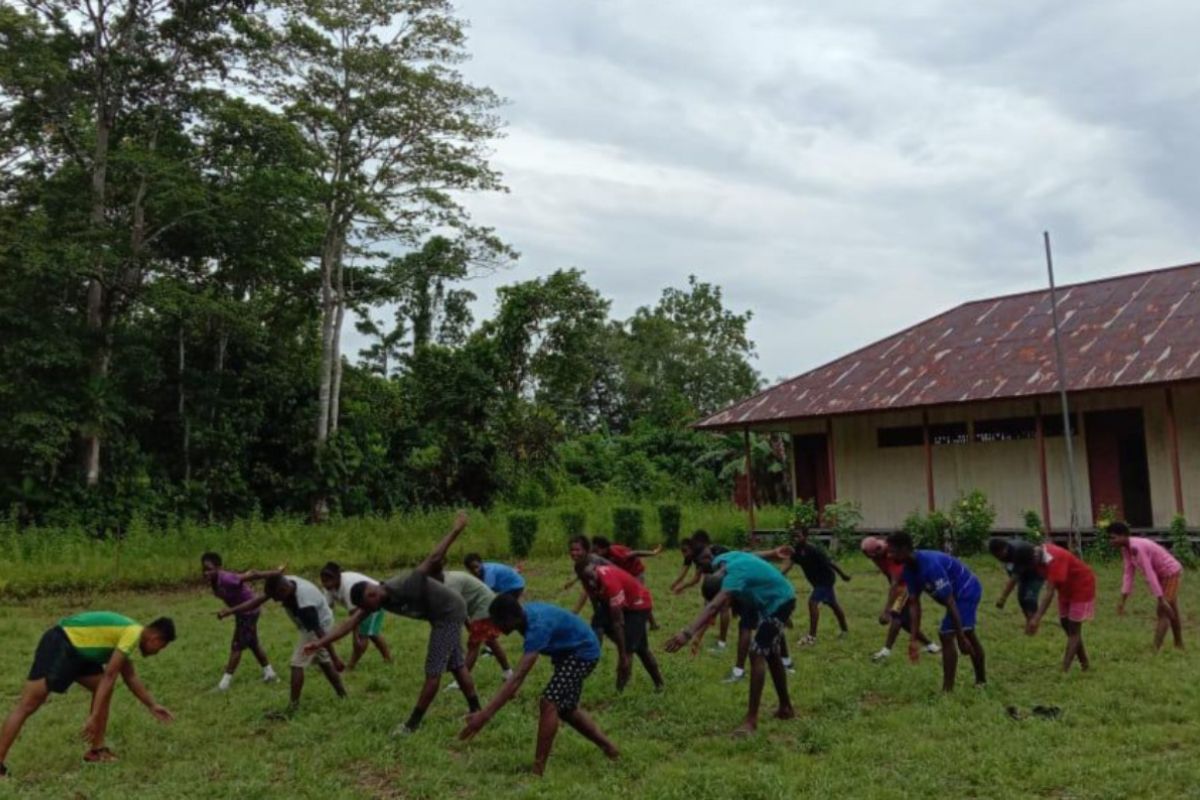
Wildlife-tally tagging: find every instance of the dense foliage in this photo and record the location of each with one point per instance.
(197, 198)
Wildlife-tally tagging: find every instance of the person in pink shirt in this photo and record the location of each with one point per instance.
(1162, 573)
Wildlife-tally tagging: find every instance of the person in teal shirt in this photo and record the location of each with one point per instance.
(754, 584)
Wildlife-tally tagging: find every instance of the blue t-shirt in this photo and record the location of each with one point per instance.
(755, 580)
(501, 577)
(557, 633)
(940, 575)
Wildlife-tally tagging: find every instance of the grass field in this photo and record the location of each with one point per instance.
(864, 730)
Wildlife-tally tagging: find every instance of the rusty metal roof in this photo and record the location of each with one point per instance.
(1132, 330)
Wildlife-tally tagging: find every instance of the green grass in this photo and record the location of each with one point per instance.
(865, 730)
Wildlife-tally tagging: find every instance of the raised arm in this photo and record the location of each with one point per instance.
(648, 553)
(244, 608)
(139, 690)
(476, 721)
(261, 574)
(438, 555)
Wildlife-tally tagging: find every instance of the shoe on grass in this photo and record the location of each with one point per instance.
(402, 731)
(451, 685)
(734, 676)
(807, 641)
(883, 654)
(933, 648)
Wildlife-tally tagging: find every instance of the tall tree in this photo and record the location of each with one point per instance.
(400, 133)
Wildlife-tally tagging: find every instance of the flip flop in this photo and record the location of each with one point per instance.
(1015, 713)
(1047, 712)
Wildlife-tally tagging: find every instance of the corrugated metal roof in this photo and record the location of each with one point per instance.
(1126, 331)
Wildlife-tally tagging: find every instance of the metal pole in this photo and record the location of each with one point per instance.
(1075, 543)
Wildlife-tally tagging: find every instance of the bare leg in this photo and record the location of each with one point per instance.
(547, 730)
(814, 616)
(779, 678)
(472, 654)
(261, 655)
(359, 647)
(1074, 632)
(743, 646)
(498, 651)
(91, 683)
(651, 665)
(235, 658)
(725, 615)
(33, 696)
(893, 632)
(335, 680)
(653, 621)
(581, 722)
(949, 661)
(466, 684)
(977, 658)
(1177, 625)
(758, 678)
(297, 685)
(841, 617)
(382, 646)
(429, 690)
(1161, 626)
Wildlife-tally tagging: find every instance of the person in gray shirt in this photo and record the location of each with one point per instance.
(415, 594)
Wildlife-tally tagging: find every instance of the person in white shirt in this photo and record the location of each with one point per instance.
(338, 583)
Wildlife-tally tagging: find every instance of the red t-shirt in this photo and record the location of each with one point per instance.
(1074, 580)
(624, 558)
(892, 569)
(622, 590)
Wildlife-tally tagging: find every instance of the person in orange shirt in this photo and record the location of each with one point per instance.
(1075, 584)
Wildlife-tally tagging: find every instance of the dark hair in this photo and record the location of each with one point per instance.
(998, 547)
(711, 587)
(901, 540)
(212, 558)
(331, 569)
(685, 543)
(582, 541)
(356, 593)
(601, 543)
(1118, 529)
(506, 610)
(273, 584)
(472, 558)
(701, 537)
(165, 628)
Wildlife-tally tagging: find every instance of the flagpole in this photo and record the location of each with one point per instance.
(1075, 543)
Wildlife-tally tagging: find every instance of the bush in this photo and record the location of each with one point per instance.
(574, 522)
(530, 494)
(627, 525)
(1035, 531)
(842, 518)
(804, 515)
(971, 521)
(670, 519)
(1101, 549)
(1181, 543)
(928, 532)
(522, 532)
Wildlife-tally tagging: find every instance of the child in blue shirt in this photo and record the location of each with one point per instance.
(574, 651)
(948, 581)
(500, 578)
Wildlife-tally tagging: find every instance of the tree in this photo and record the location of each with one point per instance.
(399, 134)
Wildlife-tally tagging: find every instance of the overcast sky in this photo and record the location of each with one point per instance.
(841, 169)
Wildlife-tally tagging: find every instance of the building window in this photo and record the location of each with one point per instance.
(908, 436)
(1010, 429)
(949, 433)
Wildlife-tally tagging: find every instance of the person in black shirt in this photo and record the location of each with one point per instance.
(1017, 557)
(822, 575)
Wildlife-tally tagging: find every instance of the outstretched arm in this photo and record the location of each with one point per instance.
(97, 721)
(139, 690)
(1031, 627)
(244, 608)
(261, 574)
(1008, 589)
(339, 631)
(476, 721)
(696, 578)
(647, 553)
(438, 555)
(839, 571)
(700, 623)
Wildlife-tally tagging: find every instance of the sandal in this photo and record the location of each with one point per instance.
(99, 755)
(807, 641)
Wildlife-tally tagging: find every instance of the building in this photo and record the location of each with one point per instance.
(969, 399)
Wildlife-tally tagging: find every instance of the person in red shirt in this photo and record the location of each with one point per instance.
(627, 559)
(1075, 584)
(895, 607)
(629, 608)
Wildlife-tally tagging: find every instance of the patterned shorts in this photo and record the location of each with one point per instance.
(768, 639)
(445, 653)
(245, 633)
(566, 684)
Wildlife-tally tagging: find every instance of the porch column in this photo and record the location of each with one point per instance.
(833, 492)
(1041, 448)
(928, 460)
(749, 482)
(1173, 442)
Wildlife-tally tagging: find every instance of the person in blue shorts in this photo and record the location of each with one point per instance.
(754, 583)
(574, 651)
(948, 581)
(1017, 557)
(500, 578)
(821, 573)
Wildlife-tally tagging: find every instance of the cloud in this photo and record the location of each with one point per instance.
(842, 170)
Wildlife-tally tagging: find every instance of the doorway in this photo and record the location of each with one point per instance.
(1118, 469)
(811, 452)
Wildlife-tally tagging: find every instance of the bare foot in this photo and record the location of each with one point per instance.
(785, 713)
(612, 753)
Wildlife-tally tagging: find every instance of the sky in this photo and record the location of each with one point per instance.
(842, 170)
